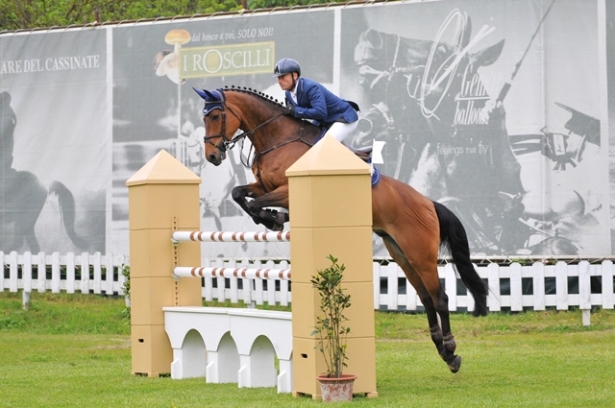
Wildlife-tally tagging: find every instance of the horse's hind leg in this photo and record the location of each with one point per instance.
(448, 352)
(445, 344)
(439, 301)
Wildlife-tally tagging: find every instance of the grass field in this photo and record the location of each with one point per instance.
(74, 351)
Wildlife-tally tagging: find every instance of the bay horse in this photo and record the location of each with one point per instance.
(412, 226)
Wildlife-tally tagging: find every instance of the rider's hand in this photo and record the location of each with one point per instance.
(289, 110)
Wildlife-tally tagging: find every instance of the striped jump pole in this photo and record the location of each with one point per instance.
(228, 236)
(249, 273)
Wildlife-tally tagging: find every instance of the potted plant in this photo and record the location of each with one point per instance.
(331, 332)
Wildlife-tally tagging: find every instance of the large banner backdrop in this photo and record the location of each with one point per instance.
(500, 110)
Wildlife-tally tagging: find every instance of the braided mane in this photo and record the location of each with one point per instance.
(250, 91)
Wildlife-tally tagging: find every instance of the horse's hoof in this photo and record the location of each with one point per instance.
(277, 227)
(273, 219)
(455, 365)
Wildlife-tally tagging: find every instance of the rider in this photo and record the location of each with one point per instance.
(308, 99)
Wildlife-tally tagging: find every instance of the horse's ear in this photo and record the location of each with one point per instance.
(202, 93)
(209, 96)
(466, 32)
(374, 38)
(487, 56)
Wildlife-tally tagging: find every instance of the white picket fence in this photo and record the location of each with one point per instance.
(513, 278)
(70, 273)
(512, 287)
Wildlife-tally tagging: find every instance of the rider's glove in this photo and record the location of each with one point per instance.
(289, 110)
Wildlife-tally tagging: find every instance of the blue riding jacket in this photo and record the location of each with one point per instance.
(317, 103)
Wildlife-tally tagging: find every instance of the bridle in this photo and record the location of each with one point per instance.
(227, 144)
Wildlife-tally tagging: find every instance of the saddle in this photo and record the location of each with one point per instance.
(364, 153)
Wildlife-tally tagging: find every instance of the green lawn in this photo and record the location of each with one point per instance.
(74, 351)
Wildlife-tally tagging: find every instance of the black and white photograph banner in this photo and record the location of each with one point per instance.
(500, 110)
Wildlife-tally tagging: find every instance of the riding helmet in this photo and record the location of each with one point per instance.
(286, 65)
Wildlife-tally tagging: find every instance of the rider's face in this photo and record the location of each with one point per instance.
(286, 81)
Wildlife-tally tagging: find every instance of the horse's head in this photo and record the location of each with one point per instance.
(219, 127)
(260, 117)
(435, 73)
(381, 57)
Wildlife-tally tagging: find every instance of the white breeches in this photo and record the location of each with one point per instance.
(340, 130)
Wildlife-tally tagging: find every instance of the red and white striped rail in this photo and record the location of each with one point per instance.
(250, 273)
(228, 236)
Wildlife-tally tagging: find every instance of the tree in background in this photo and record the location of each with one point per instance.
(30, 14)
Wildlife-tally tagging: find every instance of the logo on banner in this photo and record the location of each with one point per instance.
(223, 60)
(215, 60)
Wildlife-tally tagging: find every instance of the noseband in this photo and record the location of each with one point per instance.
(224, 144)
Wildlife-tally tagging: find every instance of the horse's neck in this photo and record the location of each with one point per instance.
(281, 131)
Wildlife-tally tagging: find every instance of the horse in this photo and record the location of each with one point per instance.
(412, 227)
(23, 195)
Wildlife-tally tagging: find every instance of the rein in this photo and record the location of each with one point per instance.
(297, 139)
(249, 132)
(257, 156)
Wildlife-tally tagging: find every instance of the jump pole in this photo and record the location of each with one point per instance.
(331, 214)
(163, 197)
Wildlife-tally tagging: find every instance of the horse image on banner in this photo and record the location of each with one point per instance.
(23, 195)
(452, 131)
(447, 132)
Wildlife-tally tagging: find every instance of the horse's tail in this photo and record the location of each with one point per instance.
(67, 211)
(453, 236)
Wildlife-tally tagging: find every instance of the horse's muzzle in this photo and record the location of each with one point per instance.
(216, 159)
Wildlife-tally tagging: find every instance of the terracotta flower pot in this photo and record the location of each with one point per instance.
(336, 389)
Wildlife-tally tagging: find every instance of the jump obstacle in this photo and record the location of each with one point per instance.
(330, 198)
(218, 236)
(239, 345)
(221, 236)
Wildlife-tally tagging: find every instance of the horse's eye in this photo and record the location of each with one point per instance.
(215, 117)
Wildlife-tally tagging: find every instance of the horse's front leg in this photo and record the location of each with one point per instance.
(240, 195)
(275, 198)
(254, 208)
